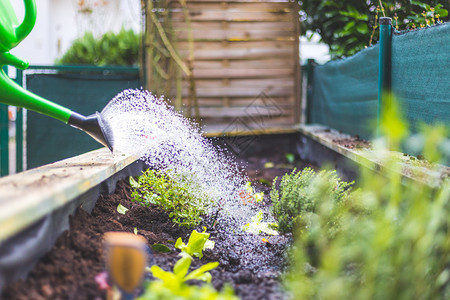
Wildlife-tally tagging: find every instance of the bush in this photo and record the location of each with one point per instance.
(398, 248)
(299, 193)
(111, 49)
(155, 187)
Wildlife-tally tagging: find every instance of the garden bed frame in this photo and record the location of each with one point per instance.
(35, 205)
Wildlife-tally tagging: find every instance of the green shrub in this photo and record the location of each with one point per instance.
(111, 49)
(399, 248)
(299, 193)
(155, 187)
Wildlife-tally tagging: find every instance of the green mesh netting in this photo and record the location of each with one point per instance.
(345, 92)
(421, 75)
(49, 140)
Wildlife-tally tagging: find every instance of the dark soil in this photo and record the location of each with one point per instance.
(252, 266)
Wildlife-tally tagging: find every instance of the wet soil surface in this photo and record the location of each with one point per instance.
(251, 265)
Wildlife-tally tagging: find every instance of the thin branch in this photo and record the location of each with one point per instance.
(168, 45)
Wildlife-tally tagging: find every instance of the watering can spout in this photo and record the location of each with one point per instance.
(95, 126)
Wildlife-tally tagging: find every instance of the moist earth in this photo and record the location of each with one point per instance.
(251, 264)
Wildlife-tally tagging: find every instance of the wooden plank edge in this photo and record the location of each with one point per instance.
(25, 208)
(263, 131)
(375, 159)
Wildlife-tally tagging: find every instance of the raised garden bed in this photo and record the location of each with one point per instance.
(250, 264)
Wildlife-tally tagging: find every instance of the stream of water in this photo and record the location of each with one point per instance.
(147, 127)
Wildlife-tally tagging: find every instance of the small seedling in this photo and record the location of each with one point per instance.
(121, 209)
(256, 226)
(198, 241)
(172, 285)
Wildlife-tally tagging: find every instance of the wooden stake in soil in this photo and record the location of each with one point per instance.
(126, 259)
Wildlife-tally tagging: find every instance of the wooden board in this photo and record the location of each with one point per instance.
(242, 51)
(28, 196)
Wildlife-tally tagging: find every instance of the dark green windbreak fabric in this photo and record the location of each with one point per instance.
(421, 75)
(49, 140)
(345, 93)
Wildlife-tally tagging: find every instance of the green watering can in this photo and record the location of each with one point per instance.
(11, 34)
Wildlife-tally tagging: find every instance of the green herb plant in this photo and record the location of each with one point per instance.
(156, 187)
(299, 192)
(172, 285)
(198, 241)
(390, 242)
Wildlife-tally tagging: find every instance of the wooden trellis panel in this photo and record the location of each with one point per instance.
(246, 61)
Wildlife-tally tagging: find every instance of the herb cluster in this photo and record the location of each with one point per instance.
(300, 192)
(156, 187)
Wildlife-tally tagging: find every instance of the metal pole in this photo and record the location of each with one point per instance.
(384, 67)
(4, 137)
(309, 82)
(19, 128)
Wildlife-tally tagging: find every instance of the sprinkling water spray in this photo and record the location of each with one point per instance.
(11, 34)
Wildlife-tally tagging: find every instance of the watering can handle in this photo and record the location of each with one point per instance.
(12, 34)
(29, 20)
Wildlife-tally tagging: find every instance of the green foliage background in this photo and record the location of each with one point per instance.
(121, 49)
(351, 25)
(389, 240)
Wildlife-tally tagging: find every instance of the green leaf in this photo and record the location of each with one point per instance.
(442, 13)
(200, 273)
(134, 183)
(349, 25)
(195, 244)
(182, 266)
(161, 248)
(362, 28)
(121, 209)
(162, 275)
(179, 244)
(135, 230)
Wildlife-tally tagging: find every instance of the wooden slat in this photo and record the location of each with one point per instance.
(238, 92)
(253, 53)
(278, 63)
(28, 196)
(243, 73)
(241, 6)
(231, 15)
(238, 45)
(236, 25)
(241, 101)
(235, 35)
(285, 82)
(228, 124)
(233, 112)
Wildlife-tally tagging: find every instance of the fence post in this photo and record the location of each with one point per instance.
(19, 128)
(384, 66)
(4, 136)
(309, 81)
